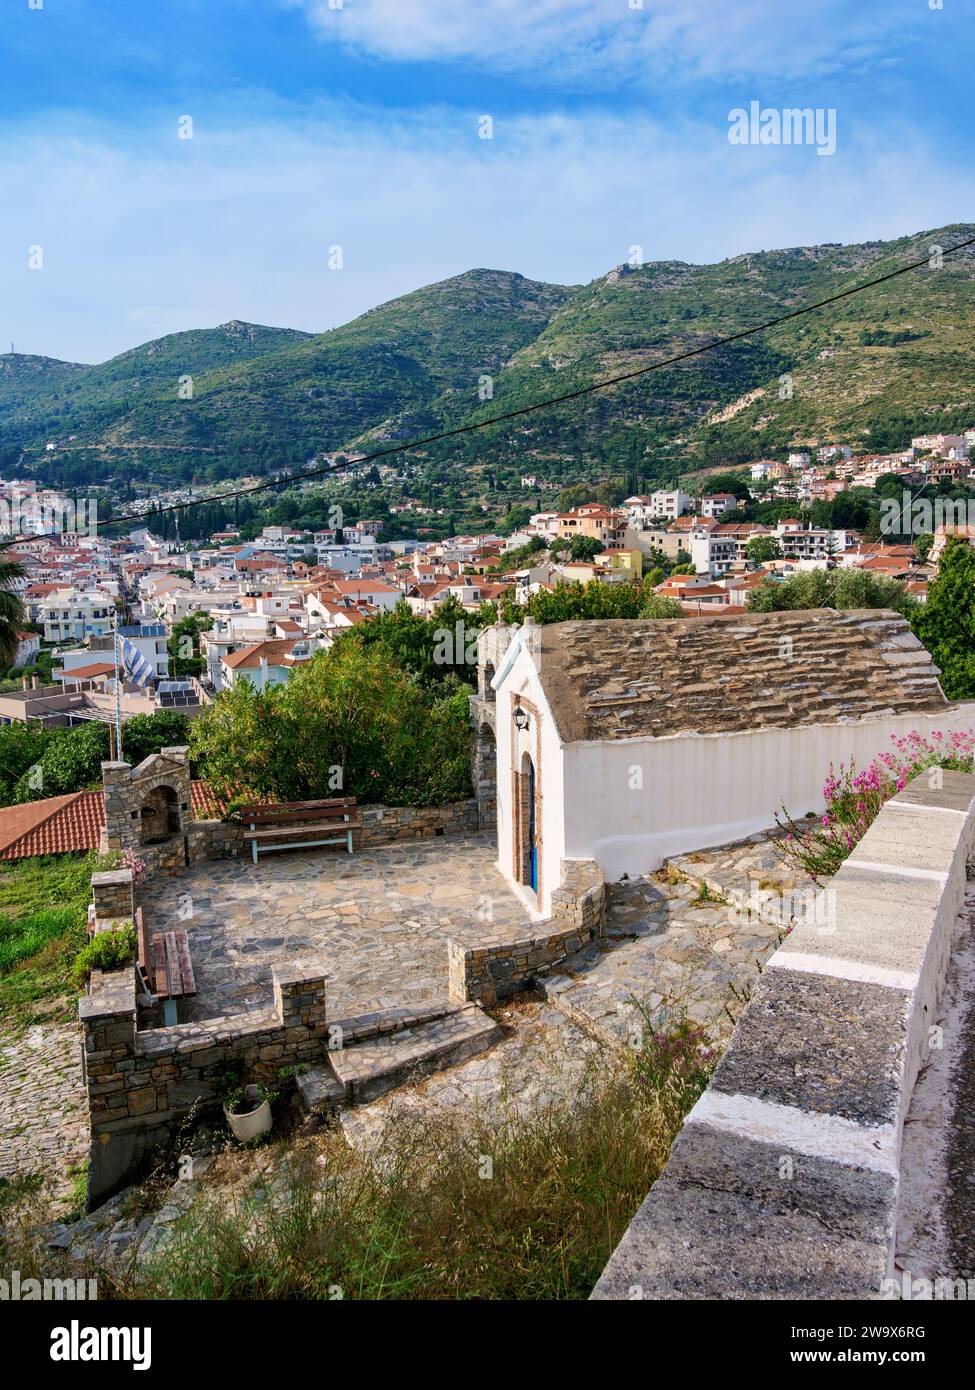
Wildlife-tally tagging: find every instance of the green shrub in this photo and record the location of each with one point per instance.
(107, 950)
(350, 722)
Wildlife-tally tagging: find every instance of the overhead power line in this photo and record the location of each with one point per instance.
(331, 469)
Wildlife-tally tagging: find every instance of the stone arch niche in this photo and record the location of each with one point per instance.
(486, 775)
(159, 816)
(148, 804)
(492, 643)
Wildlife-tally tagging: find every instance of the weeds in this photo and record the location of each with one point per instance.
(854, 799)
(518, 1203)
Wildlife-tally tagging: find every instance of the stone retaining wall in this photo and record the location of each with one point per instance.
(494, 969)
(382, 824)
(580, 898)
(784, 1180)
(218, 839)
(142, 1084)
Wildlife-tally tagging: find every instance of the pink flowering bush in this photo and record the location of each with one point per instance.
(854, 798)
(130, 860)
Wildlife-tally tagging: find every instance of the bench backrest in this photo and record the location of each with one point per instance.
(142, 943)
(286, 813)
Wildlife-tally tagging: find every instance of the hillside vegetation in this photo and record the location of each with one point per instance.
(870, 370)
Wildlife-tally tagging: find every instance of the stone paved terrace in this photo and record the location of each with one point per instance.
(380, 918)
(670, 943)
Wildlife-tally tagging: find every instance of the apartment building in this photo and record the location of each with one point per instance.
(800, 542)
(607, 525)
(71, 615)
(661, 505)
(717, 503)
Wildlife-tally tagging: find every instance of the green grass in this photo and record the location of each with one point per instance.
(24, 937)
(43, 907)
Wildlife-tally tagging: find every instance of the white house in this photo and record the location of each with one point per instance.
(629, 741)
(72, 616)
(152, 641)
(661, 505)
(266, 663)
(717, 503)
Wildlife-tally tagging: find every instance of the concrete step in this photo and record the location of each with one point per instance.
(367, 1070)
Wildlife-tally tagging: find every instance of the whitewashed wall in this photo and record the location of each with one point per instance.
(705, 790)
(523, 680)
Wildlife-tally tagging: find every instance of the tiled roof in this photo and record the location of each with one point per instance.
(87, 673)
(275, 652)
(62, 824)
(644, 678)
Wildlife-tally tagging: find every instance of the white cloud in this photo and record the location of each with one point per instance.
(636, 41)
(147, 237)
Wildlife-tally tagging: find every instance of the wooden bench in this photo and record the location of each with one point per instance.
(300, 824)
(165, 965)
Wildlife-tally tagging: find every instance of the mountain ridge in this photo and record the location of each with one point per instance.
(486, 341)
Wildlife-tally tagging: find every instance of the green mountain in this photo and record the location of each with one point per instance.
(870, 371)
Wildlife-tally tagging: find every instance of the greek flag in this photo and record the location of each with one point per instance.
(136, 667)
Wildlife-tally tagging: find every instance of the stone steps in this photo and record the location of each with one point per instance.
(366, 1070)
(743, 890)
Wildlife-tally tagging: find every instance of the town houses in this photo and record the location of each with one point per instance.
(255, 606)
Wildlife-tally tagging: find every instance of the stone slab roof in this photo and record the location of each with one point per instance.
(712, 675)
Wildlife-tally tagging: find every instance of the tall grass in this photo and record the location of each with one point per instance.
(513, 1205)
(43, 907)
(525, 1202)
(23, 937)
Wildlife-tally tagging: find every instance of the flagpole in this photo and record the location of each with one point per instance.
(118, 699)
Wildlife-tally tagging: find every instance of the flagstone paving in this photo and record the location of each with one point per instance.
(665, 955)
(44, 1110)
(544, 1057)
(692, 938)
(379, 918)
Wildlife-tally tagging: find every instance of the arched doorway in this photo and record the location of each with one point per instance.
(486, 776)
(526, 838)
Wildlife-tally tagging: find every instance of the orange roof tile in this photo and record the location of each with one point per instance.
(73, 823)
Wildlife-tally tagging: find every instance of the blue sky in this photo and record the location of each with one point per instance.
(355, 124)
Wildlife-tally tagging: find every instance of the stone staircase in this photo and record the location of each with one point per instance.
(388, 1049)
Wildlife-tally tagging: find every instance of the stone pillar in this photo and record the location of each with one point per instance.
(108, 1024)
(112, 894)
(299, 1002)
(121, 817)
